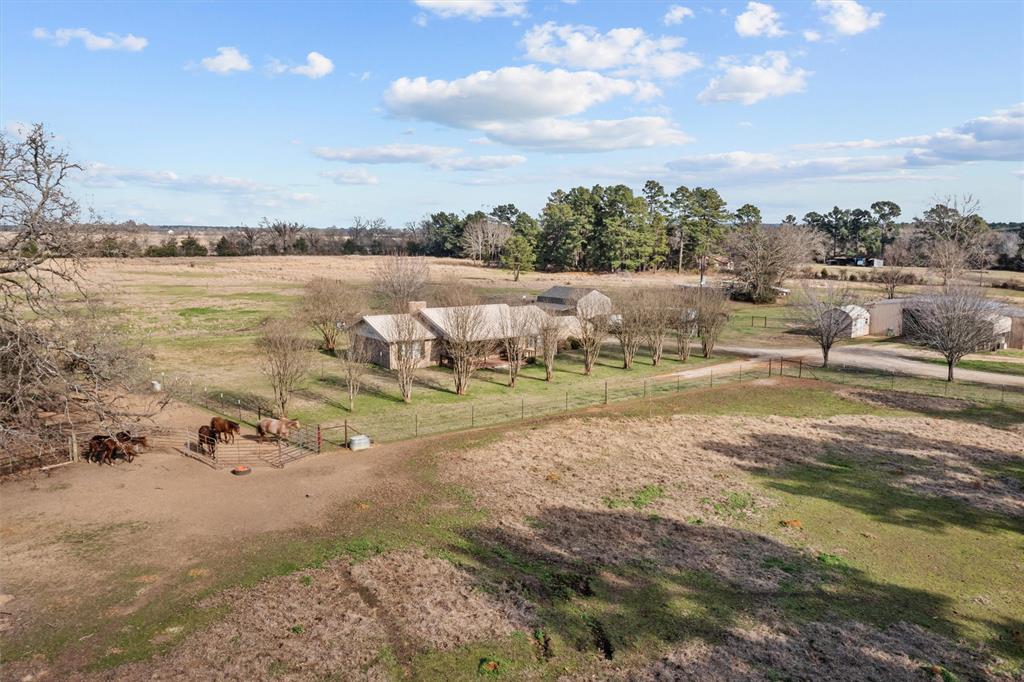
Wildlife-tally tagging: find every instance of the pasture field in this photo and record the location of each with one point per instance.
(769, 529)
(198, 319)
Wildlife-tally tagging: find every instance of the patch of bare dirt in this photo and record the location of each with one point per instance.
(337, 622)
(434, 604)
(843, 652)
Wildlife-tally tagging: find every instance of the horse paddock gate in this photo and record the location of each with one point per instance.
(246, 449)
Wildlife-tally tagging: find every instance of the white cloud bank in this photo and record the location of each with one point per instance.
(767, 75)
(228, 60)
(760, 20)
(474, 10)
(355, 176)
(527, 107)
(437, 157)
(996, 137)
(262, 194)
(316, 66)
(624, 51)
(110, 41)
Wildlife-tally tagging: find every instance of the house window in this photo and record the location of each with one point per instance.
(411, 349)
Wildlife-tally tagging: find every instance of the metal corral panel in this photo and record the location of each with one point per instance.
(359, 443)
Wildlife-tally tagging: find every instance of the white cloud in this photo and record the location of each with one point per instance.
(745, 124)
(228, 59)
(102, 175)
(847, 17)
(561, 135)
(316, 66)
(996, 137)
(812, 36)
(361, 77)
(386, 153)
(626, 51)
(676, 14)
(437, 157)
(355, 176)
(111, 41)
(512, 93)
(767, 75)
(17, 130)
(474, 10)
(478, 163)
(760, 19)
(739, 166)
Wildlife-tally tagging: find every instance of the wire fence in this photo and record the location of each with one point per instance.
(447, 418)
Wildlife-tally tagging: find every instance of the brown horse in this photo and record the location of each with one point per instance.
(277, 427)
(225, 428)
(207, 441)
(103, 449)
(126, 437)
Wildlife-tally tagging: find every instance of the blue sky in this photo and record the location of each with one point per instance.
(221, 113)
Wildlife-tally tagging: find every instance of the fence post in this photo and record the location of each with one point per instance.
(892, 383)
(522, 407)
(606, 392)
(472, 415)
(567, 401)
(800, 370)
(1002, 393)
(346, 433)
(769, 366)
(319, 439)
(259, 413)
(645, 388)
(416, 423)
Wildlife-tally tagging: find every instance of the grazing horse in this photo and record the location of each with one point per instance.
(225, 428)
(207, 441)
(103, 449)
(126, 437)
(277, 427)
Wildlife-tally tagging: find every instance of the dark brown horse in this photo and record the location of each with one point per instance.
(207, 441)
(225, 428)
(103, 449)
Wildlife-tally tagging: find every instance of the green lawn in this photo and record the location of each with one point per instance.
(1014, 368)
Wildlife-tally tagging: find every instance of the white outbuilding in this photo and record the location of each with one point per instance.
(852, 320)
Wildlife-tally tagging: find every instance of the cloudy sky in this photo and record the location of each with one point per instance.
(221, 113)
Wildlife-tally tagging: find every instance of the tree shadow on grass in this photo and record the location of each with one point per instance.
(617, 582)
(884, 474)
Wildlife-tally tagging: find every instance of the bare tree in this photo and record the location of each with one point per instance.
(820, 311)
(954, 321)
(657, 306)
(593, 322)
(549, 336)
(468, 340)
(898, 256)
(284, 233)
(519, 325)
(954, 235)
(765, 257)
(408, 353)
(684, 319)
(286, 359)
(949, 258)
(712, 316)
(399, 279)
(355, 364)
(330, 307)
(474, 239)
(628, 324)
(58, 370)
(249, 239)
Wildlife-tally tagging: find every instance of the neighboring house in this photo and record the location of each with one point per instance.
(856, 261)
(383, 335)
(563, 300)
(853, 320)
(1002, 325)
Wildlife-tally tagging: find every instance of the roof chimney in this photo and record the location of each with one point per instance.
(416, 306)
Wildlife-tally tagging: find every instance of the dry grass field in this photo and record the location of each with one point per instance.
(775, 529)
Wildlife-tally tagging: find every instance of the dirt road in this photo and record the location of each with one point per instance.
(879, 357)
